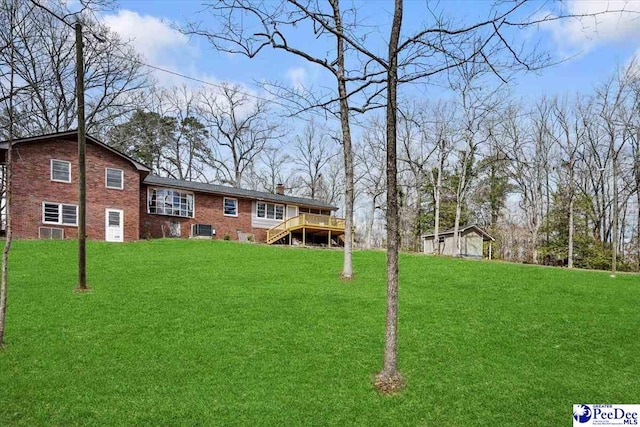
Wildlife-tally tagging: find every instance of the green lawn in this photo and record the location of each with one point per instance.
(221, 333)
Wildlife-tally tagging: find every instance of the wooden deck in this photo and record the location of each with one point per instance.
(307, 225)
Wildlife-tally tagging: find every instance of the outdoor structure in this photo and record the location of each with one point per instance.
(471, 242)
(125, 202)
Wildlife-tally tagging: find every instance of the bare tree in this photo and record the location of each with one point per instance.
(270, 170)
(415, 150)
(570, 142)
(45, 65)
(371, 166)
(188, 151)
(635, 149)
(240, 129)
(475, 107)
(612, 96)
(389, 379)
(10, 13)
(312, 153)
(443, 134)
(528, 150)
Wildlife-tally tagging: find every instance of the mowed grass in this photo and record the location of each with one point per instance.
(221, 333)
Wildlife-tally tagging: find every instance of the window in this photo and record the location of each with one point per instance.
(60, 170)
(164, 201)
(269, 211)
(113, 219)
(50, 233)
(114, 178)
(58, 213)
(230, 207)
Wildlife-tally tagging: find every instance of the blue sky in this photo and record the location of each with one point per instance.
(594, 52)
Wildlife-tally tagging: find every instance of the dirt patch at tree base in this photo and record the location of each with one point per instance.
(389, 384)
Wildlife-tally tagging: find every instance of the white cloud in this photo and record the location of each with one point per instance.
(297, 77)
(150, 36)
(164, 47)
(611, 20)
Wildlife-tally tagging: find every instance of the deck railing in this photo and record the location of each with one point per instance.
(303, 220)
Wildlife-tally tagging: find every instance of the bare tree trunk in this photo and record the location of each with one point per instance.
(347, 268)
(622, 233)
(638, 232)
(534, 230)
(571, 231)
(614, 220)
(370, 223)
(8, 180)
(390, 380)
(637, 177)
(456, 229)
(82, 178)
(438, 187)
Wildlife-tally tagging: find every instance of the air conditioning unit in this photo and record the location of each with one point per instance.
(51, 233)
(202, 230)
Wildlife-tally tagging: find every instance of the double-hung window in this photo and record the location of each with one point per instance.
(230, 206)
(114, 178)
(60, 170)
(270, 211)
(59, 213)
(165, 201)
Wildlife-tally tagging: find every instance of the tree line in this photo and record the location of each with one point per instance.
(554, 180)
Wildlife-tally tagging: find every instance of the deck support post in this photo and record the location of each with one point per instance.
(289, 239)
(304, 236)
(490, 242)
(329, 238)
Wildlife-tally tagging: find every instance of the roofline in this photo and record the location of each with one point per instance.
(451, 231)
(138, 165)
(260, 196)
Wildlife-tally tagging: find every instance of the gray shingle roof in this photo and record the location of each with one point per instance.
(461, 229)
(236, 192)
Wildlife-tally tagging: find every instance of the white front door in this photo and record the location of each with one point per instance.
(292, 211)
(114, 225)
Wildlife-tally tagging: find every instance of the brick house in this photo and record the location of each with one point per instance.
(125, 202)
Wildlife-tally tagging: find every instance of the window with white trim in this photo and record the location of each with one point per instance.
(166, 201)
(269, 211)
(230, 206)
(114, 178)
(60, 170)
(59, 213)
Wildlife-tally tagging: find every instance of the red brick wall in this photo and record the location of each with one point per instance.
(32, 185)
(207, 210)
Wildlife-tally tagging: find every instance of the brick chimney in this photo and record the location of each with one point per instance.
(280, 189)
